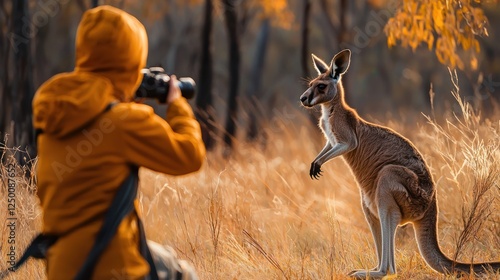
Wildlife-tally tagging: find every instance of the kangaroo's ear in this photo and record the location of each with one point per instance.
(319, 65)
(340, 63)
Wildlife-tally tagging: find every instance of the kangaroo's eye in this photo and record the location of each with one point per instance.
(321, 86)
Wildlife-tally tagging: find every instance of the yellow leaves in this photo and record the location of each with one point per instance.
(445, 52)
(430, 40)
(478, 22)
(477, 48)
(452, 25)
(473, 63)
(391, 40)
(277, 11)
(437, 11)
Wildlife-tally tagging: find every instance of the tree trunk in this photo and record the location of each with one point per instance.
(4, 55)
(231, 21)
(40, 74)
(205, 113)
(3, 44)
(81, 4)
(304, 48)
(21, 88)
(341, 39)
(342, 36)
(304, 51)
(337, 25)
(329, 25)
(254, 93)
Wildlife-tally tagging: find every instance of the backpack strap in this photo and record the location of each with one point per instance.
(146, 253)
(37, 249)
(121, 206)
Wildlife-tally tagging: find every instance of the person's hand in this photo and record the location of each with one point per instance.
(173, 90)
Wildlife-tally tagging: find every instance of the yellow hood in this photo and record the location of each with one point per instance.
(113, 44)
(111, 49)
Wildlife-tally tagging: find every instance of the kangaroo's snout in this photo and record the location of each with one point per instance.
(306, 98)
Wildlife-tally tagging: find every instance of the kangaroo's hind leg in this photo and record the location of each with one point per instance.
(395, 202)
(390, 217)
(376, 230)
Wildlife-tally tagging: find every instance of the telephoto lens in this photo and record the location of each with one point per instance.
(155, 84)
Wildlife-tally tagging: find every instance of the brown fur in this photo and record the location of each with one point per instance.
(396, 185)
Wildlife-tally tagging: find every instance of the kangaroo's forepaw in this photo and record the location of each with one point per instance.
(371, 274)
(315, 171)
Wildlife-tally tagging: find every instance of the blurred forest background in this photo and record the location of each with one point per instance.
(251, 58)
(257, 214)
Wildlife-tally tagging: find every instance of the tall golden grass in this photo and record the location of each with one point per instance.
(258, 215)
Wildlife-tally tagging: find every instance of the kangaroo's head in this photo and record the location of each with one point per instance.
(324, 87)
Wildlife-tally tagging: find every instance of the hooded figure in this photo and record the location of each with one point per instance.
(85, 151)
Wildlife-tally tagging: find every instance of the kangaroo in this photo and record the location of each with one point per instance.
(395, 182)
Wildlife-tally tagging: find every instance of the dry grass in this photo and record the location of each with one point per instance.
(258, 215)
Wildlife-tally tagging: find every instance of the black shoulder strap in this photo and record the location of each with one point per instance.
(37, 249)
(122, 206)
(146, 253)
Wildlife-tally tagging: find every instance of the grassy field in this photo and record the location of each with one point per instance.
(258, 215)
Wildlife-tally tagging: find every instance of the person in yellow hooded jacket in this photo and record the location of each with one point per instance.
(85, 151)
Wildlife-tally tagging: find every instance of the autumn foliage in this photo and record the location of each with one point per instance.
(448, 27)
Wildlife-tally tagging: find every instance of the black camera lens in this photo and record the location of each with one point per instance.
(155, 84)
(187, 87)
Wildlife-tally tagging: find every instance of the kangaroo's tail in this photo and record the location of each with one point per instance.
(426, 234)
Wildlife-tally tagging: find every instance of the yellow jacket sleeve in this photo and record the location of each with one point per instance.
(174, 146)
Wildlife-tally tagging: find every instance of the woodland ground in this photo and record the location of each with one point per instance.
(258, 215)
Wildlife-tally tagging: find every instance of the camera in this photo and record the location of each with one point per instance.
(155, 84)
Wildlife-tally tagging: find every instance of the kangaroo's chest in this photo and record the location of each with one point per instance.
(327, 128)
